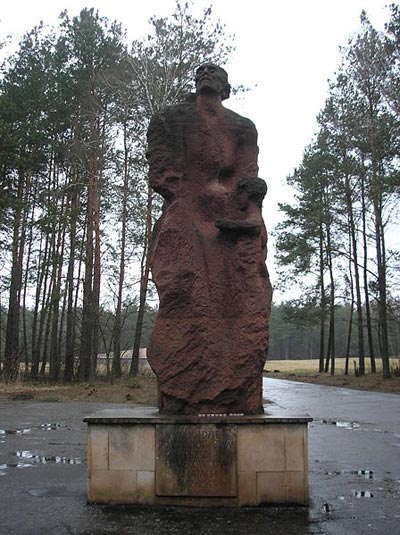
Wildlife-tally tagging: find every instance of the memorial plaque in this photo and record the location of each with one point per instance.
(196, 460)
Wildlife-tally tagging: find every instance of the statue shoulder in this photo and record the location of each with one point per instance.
(244, 127)
(170, 119)
(169, 113)
(244, 122)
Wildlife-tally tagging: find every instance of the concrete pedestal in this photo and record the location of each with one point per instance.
(137, 456)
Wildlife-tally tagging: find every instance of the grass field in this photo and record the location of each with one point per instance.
(143, 388)
(312, 365)
(307, 371)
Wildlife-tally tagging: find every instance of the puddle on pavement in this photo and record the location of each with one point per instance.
(53, 426)
(341, 423)
(38, 492)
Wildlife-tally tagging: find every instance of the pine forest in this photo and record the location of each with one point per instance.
(76, 211)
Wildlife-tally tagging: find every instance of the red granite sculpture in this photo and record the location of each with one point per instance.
(210, 338)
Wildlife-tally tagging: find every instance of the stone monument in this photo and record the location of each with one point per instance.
(210, 443)
(210, 338)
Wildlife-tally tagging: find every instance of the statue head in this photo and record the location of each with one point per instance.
(212, 79)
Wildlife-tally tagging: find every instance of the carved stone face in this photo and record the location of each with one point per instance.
(212, 79)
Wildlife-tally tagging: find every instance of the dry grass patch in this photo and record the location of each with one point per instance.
(307, 371)
(143, 388)
(138, 390)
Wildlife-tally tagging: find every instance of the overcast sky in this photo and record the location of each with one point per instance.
(286, 50)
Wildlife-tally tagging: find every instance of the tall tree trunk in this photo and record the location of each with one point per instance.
(332, 322)
(46, 341)
(39, 312)
(46, 316)
(350, 324)
(70, 328)
(11, 350)
(117, 324)
(61, 329)
(41, 295)
(322, 303)
(96, 282)
(145, 269)
(55, 361)
(46, 312)
(365, 279)
(331, 350)
(77, 314)
(86, 348)
(29, 203)
(376, 190)
(91, 289)
(382, 302)
(360, 325)
(328, 350)
(349, 333)
(1, 335)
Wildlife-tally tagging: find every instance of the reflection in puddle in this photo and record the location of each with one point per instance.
(15, 465)
(31, 458)
(368, 474)
(333, 473)
(51, 426)
(358, 494)
(36, 458)
(38, 492)
(339, 423)
(327, 509)
(25, 431)
(362, 494)
(15, 431)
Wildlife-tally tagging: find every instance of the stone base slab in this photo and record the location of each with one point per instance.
(137, 456)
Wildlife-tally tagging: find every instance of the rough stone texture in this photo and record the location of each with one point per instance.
(210, 338)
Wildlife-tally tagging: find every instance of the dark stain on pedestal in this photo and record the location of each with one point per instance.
(196, 460)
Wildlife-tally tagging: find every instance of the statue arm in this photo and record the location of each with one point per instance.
(247, 152)
(249, 182)
(250, 189)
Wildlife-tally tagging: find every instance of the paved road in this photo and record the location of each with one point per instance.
(354, 459)
(354, 455)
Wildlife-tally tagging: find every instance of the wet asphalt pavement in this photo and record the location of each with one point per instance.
(354, 472)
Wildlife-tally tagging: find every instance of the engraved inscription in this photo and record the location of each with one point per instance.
(196, 460)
